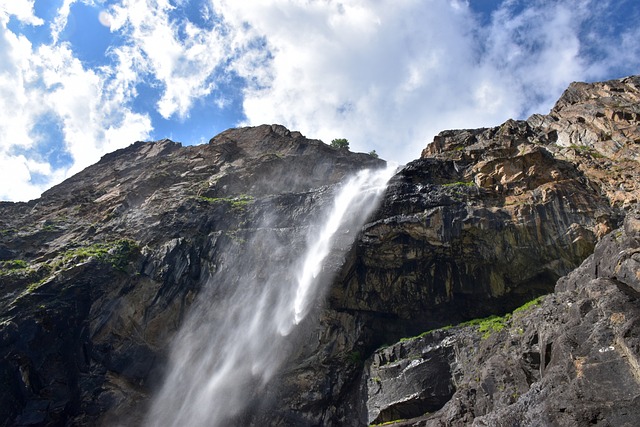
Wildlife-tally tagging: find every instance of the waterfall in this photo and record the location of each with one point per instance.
(238, 332)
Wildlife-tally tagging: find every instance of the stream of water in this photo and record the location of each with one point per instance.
(230, 347)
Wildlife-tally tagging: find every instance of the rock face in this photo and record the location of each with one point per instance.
(568, 359)
(531, 199)
(490, 218)
(98, 273)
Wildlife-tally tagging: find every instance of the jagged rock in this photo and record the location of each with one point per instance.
(489, 218)
(112, 258)
(409, 379)
(571, 359)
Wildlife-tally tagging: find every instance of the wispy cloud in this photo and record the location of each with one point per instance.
(181, 56)
(387, 75)
(88, 107)
(21, 10)
(60, 21)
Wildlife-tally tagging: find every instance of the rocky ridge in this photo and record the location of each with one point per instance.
(97, 273)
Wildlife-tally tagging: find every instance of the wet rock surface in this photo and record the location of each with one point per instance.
(98, 273)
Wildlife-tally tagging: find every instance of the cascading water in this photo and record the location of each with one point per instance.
(232, 344)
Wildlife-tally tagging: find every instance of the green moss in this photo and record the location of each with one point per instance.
(587, 151)
(425, 333)
(49, 228)
(526, 306)
(388, 423)
(238, 202)
(355, 357)
(460, 183)
(33, 286)
(486, 325)
(233, 235)
(492, 324)
(13, 264)
(16, 269)
(116, 253)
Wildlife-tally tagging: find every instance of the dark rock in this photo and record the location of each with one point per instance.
(116, 254)
(571, 359)
(409, 379)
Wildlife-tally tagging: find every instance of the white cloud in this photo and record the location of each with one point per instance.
(90, 107)
(180, 55)
(384, 74)
(18, 112)
(60, 21)
(17, 171)
(21, 10)
(389, 75)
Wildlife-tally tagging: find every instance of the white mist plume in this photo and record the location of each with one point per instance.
(238, 333)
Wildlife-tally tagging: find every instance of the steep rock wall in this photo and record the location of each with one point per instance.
(98, 273)
(485, 221)
(570, 358)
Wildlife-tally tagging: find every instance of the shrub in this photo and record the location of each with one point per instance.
(340, 143)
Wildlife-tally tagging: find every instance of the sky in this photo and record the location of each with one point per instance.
(81, 78)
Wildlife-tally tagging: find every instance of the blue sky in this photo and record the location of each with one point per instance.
(80, 78)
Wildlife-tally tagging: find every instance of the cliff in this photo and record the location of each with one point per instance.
(533, 198)
(98, 273)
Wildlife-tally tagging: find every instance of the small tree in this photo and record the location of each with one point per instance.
(373, 153)
(340, 143)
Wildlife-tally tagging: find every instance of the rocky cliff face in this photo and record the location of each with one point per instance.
(486, 220)
(97, 274)
(570, 358)
(488, 217)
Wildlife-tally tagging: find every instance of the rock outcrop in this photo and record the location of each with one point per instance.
(567, 359)
(98, 273)
(490, 218)
(531, 199)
